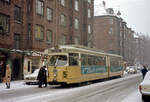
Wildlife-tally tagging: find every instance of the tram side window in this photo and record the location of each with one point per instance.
(115, 61)
(90, 60)
(84, 59)
(73, 59)
(100, 60)
(58, 60)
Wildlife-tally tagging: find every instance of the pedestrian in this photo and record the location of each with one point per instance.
(45, 76)
(42, 77)
(1, 71)
(7, 77)
(144, 71)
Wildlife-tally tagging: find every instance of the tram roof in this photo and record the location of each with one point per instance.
(80, 49)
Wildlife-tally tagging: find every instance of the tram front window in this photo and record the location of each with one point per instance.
(58, 60)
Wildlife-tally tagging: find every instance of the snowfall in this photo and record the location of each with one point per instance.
(15, 85)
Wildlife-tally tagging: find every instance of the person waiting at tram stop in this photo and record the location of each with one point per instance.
(144, 71)
(42, 77)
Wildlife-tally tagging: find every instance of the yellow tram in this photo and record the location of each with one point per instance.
(71, 64)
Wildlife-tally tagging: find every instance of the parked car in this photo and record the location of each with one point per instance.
(131, 70)
(32, 78)
(144, 87)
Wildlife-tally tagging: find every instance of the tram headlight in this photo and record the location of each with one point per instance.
(55, 74)
(65, 74)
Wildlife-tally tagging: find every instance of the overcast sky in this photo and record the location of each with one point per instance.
(135, 12)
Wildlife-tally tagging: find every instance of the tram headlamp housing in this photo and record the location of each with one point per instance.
(55, 74)
(65, 74)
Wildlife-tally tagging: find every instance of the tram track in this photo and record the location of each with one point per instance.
(84, 94)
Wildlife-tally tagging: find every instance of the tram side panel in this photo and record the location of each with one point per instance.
(116, 68)
(93, 67)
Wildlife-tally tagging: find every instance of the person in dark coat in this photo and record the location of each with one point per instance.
(144, 71)
(1, 69)
(42, 77)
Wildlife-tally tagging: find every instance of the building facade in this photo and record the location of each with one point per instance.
(11, 33)
(27, 27)
(107, 33)
(112, 35)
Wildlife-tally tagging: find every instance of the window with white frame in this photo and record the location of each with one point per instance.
(49, 14)
(40, 7)
(16, 41)
(39, 32)
(76, 23)
(17, 14)
(63, 40)
(63, 20)
(89, 1)
(76, 40)
(110, 20)
(49, 36)
(89, 13)
(110, 31)
(89, 29)
(4, 23)
(63, 2)
(76, 5)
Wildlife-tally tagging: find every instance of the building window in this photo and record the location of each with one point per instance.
(89, 29)
(110, 31)
(89, 13)
(49, 14)
(4, 23)
(110, 21)
(39, 32)
(89, 1)
(76, 5)
(63, 40)
(16, 41)
(63, 2)
(40, 7)
(76, 23)
(120, 43)
(49, 36)
(17, 15)
(29, 6)
(76, 40)
(63, 20)
(29, 32)
(8, 1)
(29, 66)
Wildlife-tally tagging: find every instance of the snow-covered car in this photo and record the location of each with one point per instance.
(144, 87)
(131, 70)
(32, 78)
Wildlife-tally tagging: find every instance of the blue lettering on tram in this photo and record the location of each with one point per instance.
(93, 69)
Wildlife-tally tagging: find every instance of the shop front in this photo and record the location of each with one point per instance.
(15, 61)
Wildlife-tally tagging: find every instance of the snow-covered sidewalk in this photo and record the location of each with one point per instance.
(14, 85)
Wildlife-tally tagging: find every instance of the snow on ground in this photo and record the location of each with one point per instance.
(14, 85)
(133, 97)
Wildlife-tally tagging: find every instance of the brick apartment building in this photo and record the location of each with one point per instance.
(107, 33)
(129, 46)
(33, 25)
(112, 35)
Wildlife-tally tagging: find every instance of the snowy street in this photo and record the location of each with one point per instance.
(123, 89)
